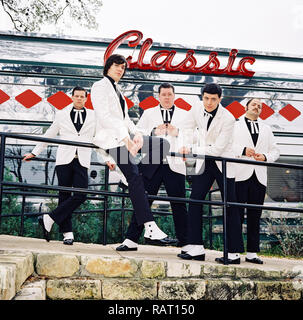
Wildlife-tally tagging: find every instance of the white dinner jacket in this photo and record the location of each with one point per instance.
(64, 126)
(111, 126)
(217, 140)
(266, 145)
(181, 119)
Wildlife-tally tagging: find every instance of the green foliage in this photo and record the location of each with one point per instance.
(289, 237)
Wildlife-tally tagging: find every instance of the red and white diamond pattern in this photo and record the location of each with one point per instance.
(60, 100)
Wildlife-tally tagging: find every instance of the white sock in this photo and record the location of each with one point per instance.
(48, 222)
(130, 243)
(187, 247)
(68, 235)
(196, 250)
(152, 231)
(251, 255)
(233, 256)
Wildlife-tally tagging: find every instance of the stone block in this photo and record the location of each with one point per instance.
(129, 289)
(24, 265)
(182, 290)
(108, 267)
(32, 291)
(275, 290)
(153, 269)
(183, 270)
(218, 271)
(57, 265)
(230, 290)
(7, 281)
(73, 289)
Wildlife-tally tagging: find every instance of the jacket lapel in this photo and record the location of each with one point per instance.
(247, 135)
(67, 118)
(114, 93)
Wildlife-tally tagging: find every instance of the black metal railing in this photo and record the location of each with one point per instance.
(102, 195)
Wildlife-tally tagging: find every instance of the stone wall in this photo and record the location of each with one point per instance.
(32, 275)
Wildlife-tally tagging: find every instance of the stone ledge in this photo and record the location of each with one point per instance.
(15, 268)
(90, 271)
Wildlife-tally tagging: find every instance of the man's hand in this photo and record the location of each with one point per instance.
(138, 140)
(250, 152)
(172, 130)
(161, 130)
(111, 166)
(184, 150)
(131, 146)
(259, 157)
(28, 157)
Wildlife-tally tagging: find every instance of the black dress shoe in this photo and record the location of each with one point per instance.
(161, 242)
(45, 232)
(229, 261)
(124, 247)
(254, 260)
(69, 242)
(186, 256)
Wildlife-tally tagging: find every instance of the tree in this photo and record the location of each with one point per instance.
(30, 15)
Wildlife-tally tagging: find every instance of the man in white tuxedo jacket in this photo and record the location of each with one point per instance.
(74, 123)
(214, 137)
(167, 121)
(253, 140)
(122, 140)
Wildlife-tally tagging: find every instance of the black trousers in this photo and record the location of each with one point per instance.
(175, 187)
(201, 185)
(253, 192)
(69, 175)
(154, 150)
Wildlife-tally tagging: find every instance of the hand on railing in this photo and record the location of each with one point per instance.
(110, 165)
(184, 150)
(28, 157)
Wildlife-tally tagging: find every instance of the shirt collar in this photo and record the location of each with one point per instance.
(213, 113)
(111, 80)
(170, 109)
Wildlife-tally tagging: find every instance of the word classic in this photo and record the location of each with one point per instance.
(163, 59)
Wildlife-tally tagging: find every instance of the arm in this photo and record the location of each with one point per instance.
(223, 139)
(273, 153)
(104, 113)
(51, 132)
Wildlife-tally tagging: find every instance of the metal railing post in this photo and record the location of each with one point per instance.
(122, 216)
(22, 217)
(210, 222)
(2, 154)
(106, 177)
(225, 244)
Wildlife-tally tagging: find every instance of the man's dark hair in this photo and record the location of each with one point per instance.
(212, 88)
(250, 100)
(166, 85)
(115, 58)
(79, 89)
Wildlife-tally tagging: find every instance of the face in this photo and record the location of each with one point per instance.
(116, 71)
(79, 99)
(210, 101)
(254, 108)
(166, 97)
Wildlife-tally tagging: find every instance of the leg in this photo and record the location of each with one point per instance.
(256, 196)
(65, 179)
(234, 232)
(151, 187)
(201, 184)
(175, 187)
(242, 197)
(65, 210)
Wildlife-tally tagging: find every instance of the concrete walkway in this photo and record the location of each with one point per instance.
(168, 254)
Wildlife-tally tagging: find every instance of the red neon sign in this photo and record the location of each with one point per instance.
(163, 59)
